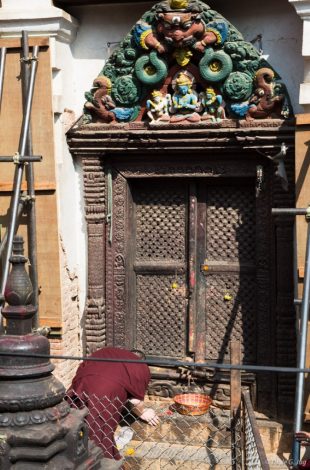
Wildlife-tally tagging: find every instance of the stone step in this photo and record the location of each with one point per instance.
(278, 463)
(276, 437)
(163, 455)
(211, 429)
(147, 456)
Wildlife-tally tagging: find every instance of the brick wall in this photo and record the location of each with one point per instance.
(70, 343)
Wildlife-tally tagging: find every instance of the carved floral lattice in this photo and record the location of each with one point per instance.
(184, 62)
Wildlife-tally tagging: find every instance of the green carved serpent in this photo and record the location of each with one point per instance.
(158, 65)
(215, 66)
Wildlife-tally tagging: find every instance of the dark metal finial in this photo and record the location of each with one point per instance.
(18, 289)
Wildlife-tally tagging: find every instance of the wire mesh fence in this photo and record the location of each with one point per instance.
(254, 454)
(177, 442)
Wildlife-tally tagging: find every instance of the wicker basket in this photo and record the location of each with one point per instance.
(192, 404)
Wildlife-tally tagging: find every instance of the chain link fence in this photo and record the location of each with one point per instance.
(213, 440)
(254, 453)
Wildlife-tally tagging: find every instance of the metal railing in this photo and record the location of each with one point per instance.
(253, 450)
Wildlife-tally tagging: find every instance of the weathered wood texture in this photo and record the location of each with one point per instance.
(45, 184)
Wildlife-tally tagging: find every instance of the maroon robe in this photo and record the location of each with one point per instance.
(104, 387)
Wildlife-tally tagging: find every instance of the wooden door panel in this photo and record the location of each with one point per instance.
(230, 315)
(158, 278)
(161, 314)
(229, 270)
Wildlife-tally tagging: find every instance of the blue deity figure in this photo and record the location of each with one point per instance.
(212, 104)
(184, 101)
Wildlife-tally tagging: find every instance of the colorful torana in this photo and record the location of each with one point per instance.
(223, 76)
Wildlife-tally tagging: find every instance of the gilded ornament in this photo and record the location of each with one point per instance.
(215, 66)
(183, 56)
(179, 4)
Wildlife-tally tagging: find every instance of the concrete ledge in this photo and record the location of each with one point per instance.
(52, 22)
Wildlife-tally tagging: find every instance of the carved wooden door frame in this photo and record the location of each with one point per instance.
(116, 283)
(203, 155)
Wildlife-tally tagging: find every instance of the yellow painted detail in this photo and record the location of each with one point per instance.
(227, 297)
(150, 70)
(215, 66)
(143, 37)
(183, 56)
(177, 4)
(217, 34)
(174, 285)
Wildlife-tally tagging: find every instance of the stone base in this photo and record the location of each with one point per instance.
(57, 443)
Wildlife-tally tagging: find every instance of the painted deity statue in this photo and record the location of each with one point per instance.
(212, 105)
(179, 25)
(184, 100)
(158, 107)
(101, 104)
(264, 102)
(175, 39)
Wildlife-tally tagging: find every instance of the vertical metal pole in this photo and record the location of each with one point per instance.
(302, 348)
(235, 377)
(2, 69)
(31, 229)
(18, 175)
(235, 405)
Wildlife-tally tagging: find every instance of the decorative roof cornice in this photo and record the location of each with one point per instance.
(50, 21)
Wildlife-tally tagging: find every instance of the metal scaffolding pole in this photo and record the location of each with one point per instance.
(19, 169)
(31, 227)
(303, 331)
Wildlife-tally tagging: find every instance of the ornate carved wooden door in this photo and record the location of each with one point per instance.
(158, 267)
(191, 267)
(226, 281)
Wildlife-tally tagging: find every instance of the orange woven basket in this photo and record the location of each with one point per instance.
(192, 404)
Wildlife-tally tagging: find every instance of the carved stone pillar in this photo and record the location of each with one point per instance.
(38, 428)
